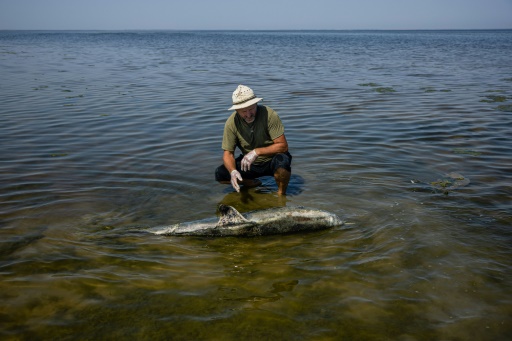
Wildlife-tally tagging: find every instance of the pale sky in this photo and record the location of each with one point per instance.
(254, 15)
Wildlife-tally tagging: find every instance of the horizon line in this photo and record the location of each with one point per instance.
(249, 30)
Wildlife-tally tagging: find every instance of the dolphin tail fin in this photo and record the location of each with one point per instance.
(230, 216)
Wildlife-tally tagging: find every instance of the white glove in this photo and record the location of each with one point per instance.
(235, 175)
(248, 160)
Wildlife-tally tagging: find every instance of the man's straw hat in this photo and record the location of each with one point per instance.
(243, 97)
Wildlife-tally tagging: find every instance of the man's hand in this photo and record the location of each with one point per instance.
(235, 176)
(248, 160)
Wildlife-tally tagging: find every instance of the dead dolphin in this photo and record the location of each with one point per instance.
(278, 220)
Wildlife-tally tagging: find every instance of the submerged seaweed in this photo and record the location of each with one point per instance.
(466, 151)
(450, 182)
(369, 84)
(494, 99)
(383, 90)
(505, 108)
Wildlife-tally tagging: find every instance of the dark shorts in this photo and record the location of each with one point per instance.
(283, 160)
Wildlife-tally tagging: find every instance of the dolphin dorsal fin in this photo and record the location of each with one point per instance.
(230, 216)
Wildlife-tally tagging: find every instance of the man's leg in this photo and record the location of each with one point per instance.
(282, 177)
(281, 165)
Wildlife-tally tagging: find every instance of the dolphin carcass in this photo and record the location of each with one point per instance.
(280, 220)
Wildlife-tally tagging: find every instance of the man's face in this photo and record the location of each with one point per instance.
(249, 113)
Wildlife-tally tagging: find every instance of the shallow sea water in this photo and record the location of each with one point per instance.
(405, 135)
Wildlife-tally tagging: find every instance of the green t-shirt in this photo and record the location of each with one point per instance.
(266, 127)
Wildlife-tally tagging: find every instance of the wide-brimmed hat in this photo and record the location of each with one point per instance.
(243, 97)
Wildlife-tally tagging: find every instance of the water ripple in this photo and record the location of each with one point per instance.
(104, 134)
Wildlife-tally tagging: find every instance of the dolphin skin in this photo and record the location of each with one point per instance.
(279, 220)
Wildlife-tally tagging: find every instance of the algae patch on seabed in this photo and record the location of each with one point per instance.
(41, 87)
(428, 89)
(377, 88)
(450, 181)
(505, 108)
(499, 99)
(383, 90)
(441, 183)
(494, 99)
(369, 84)
(466, 152)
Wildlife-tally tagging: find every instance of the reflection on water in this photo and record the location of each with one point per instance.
(404, 135)
(262, 197)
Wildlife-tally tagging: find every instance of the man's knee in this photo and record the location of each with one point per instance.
(221, 174)
(282, 160)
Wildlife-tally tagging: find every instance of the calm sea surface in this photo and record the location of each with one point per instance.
(407, 136)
